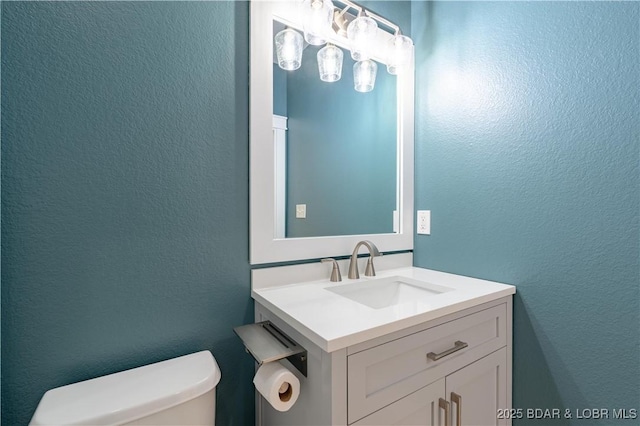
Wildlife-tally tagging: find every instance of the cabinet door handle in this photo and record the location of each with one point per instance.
(444, 404)
(456, 347)
(457, 399)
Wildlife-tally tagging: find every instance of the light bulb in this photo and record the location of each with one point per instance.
(400, 52)
(289, 49)
(361, 33)
(330, 63)
(317, 20)
(364, 75)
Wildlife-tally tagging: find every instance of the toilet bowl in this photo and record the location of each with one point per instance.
(179, 391)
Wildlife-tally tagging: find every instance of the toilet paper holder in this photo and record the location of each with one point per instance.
(267, 343)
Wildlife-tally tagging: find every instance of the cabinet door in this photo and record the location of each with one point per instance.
(481, 389)
(418, 408)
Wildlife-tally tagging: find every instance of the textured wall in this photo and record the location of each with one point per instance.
(124, 193)
(527, 152)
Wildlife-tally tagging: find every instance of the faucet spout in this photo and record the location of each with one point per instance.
(353, 264)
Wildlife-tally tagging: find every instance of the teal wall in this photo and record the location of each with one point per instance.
(124, 193)
(527, 152)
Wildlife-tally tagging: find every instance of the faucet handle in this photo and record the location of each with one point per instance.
(370, 271)
(335, 271)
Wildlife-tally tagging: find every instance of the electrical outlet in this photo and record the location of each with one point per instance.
(301, 211)
(424, 222)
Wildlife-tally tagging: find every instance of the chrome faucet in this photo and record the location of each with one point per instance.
(353, 265)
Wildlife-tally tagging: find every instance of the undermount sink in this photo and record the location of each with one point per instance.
(384, 292)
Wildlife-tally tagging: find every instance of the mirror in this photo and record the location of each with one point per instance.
(341, 158)
(338, 154)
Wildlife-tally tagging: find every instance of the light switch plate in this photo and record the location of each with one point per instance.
(424, 222)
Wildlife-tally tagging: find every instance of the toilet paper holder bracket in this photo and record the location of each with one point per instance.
(267, 343)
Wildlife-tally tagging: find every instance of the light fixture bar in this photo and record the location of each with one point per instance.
(384, 21)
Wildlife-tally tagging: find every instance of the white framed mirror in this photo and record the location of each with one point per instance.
(319, 186)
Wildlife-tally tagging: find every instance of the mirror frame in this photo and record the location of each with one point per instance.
(264, 247)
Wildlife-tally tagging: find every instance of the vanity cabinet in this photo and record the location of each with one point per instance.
(470, 396)
(455, 370)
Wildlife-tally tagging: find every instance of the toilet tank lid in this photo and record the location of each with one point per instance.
(129, 395)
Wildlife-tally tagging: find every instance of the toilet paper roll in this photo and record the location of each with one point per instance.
(278, 385)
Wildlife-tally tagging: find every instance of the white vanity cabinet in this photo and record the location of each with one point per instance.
(452, 370)
(470, 396)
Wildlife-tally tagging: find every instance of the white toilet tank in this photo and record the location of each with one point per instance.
(179, 391)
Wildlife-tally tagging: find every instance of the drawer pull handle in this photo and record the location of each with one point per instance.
(457, 399)
(444, 404)
(456, 347)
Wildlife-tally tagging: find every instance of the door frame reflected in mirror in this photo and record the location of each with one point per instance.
(265, 246)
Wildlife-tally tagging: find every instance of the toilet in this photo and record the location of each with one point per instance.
(179, 391)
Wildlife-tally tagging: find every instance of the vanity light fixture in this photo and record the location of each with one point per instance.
(400, 51)
(330, 63)
(361, 33)
(289, 49)
(317, 20)
(321, 19)
(364, 75)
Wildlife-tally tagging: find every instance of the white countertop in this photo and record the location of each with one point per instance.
(334, 322)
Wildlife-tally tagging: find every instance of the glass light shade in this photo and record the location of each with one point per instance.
(400, 51)
(361, 33)
(289, 49)
(364, 75)
(330, 63)
(317, 20)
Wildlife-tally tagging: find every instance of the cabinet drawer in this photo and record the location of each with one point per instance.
(384, 374)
